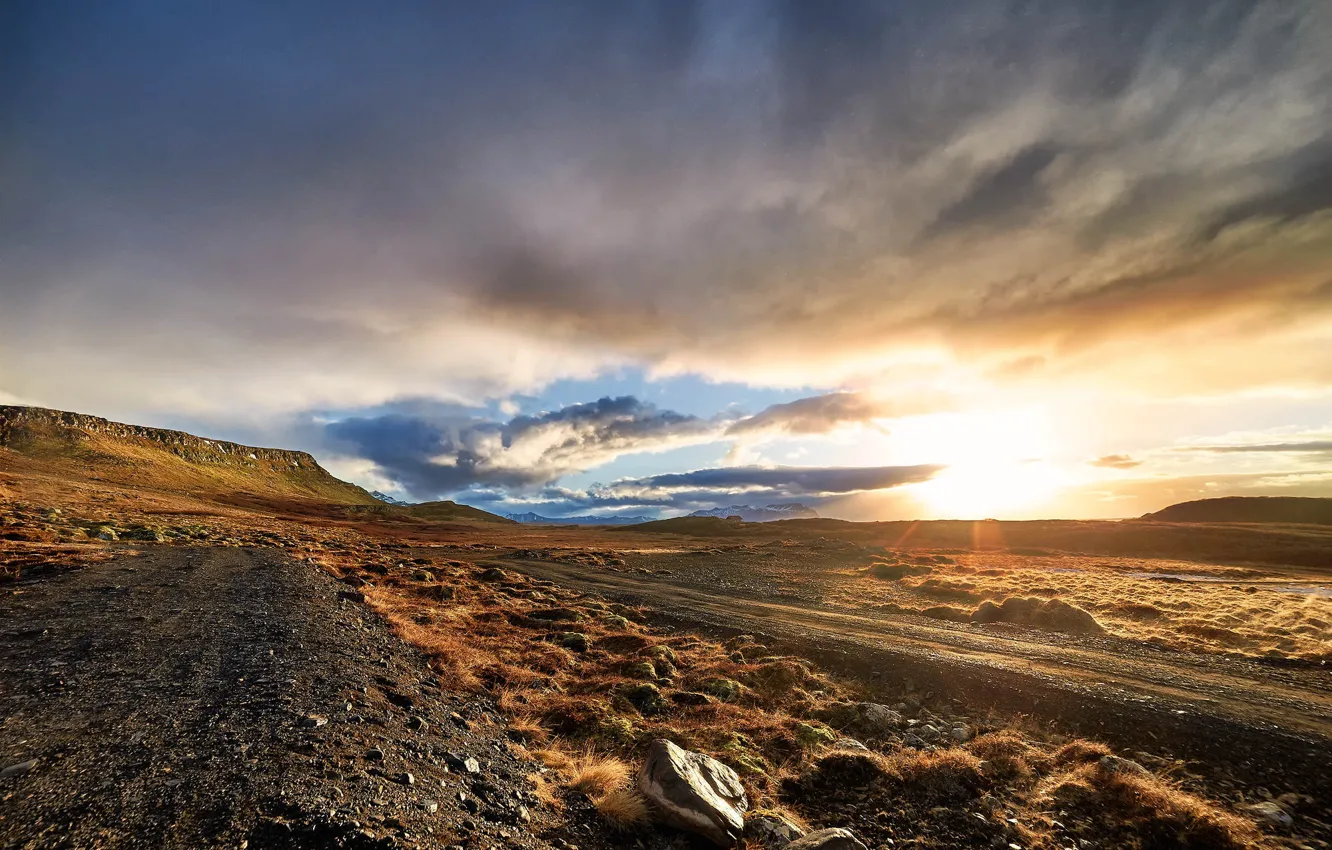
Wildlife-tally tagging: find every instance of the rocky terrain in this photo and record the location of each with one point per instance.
(213, 697)
(194, 653)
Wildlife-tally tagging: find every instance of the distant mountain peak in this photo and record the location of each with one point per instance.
(767, 513)
(530, 518)
(384, 497)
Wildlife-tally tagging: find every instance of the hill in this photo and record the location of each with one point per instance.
(77, 446)
(452, 511)
(1284, 509)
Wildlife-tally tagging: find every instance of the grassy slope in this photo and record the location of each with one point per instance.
(1279, 509)
(169, 461)
(452, 511)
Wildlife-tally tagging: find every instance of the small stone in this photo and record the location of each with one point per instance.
(417, 724)
(406, 779)
(313, 721)
(375, 754)
(1115, 764)
(22, 768)
(771, 831)
(827, 839)
(430, 806)
(1272, 813)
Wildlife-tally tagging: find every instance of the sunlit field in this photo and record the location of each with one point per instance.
(1173, 603)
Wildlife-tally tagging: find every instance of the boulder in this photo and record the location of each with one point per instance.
(644, 696)
(770, 831)
(812, 735)
(694, 792)
(827, 839)
(576, 641)
(690, 698)
(877, 719)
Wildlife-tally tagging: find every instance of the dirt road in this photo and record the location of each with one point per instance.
(213, 697)
(1257, 719)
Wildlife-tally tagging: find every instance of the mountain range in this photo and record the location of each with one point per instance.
(537, 519)
(767, 513)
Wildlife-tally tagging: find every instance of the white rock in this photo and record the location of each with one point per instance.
(694, 792)
(1272, 813)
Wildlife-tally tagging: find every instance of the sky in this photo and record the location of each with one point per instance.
(887, 259)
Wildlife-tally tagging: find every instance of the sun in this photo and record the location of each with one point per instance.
(996, 463)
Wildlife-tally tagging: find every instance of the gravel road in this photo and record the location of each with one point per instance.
(233, 698)
(1270, 725)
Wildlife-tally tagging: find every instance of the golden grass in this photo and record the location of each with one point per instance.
(587, 772)
(1245, 610)
(623, 808)
(1144, 811)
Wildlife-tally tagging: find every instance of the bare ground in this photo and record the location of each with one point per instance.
(219, 697)
(1265, 722)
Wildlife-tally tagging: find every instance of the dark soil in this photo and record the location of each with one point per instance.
(225, 697)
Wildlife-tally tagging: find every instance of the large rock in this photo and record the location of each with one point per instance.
(694, 792)
(827, 839)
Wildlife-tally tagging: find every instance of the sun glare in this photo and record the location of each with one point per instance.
(996, 463)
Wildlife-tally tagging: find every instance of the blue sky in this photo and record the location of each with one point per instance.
(995, 257)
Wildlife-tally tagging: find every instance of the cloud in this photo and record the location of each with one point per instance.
(1115, 462)
(708, 488)
(446, 452)
(442, 200)
(790, 480)
(431, 449)
(1314, 447)
(822, 414)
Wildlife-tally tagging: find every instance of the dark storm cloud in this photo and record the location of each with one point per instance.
(477, 198)
(790, 480)
(1011, 191)
(430, 449)
(431, 455)
(710, 488)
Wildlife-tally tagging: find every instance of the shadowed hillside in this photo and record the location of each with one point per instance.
(1289, 509)
(452, 511)
(74, 445)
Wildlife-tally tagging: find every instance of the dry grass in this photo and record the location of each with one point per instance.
(1268, 612)
(623, 808)
(1144, 811)
(588, 772)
